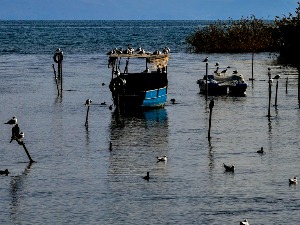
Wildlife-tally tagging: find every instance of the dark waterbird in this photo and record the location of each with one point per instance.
(205, 60)
(147, 177)
(228, 168)
(4, 172)
(276, 77)
(173, 100)
(293, 180)
(88, 102)
(261, 151)
(14, 132)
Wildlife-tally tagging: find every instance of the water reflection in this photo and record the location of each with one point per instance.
(16, 192)
(137, 139)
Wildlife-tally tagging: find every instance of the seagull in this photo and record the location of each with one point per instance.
(173, 100)
(293, 180)
(4, 172)
(245, 222)
(20, 136)
(88, 102)
(162, 159)
(166, 50)
(205, 60)
(261, 151)
(157, 52)
(147, 177)
(276, 77)
(12, 121)
(14, 132)
(229, 168)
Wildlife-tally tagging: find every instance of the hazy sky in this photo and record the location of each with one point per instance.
(144, 9)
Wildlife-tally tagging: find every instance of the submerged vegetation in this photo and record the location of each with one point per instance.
(251, 35)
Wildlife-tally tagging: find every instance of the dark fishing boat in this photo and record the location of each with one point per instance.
(138, 85)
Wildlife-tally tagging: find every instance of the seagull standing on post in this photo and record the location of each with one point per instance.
(12, 121)
(205, 60)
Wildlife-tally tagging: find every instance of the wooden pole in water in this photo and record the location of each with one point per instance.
(252, 66)
(270, 93)
(55, 80)
(298, 68)
(276, 93)
(27, 153)
(87, 115)
(286, 85)
(206, 73)
(211, 105)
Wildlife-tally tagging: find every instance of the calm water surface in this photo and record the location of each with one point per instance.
(77, 180)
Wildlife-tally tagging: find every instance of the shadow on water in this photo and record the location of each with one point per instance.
(16, 191)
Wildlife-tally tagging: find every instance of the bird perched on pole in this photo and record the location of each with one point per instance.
(88, 102)
(15, 130)
(205, 60)
(12, 121)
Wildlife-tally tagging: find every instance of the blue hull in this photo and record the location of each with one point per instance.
(155, 98)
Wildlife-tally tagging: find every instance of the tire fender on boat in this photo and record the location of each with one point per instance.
(117, 84)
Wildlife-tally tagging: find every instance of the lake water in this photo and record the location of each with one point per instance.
(76, 178)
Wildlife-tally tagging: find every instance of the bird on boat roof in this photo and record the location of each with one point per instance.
(245, 222)
(261, 151)
(162, 159)
(228, 168)
(130, 50)
(166, 50)
(157, 52)
(276, 77)
(4, 172)
(205, 60)
(12, 121)
(293, 180)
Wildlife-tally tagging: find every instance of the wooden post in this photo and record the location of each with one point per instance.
(298, 86)
(211, 105)
(87, 116)
(58, 58)
(206, 69)
(286, 85)
(27, 153)
(55, 79)
(276, 93)
(270, 93)
(252, 65)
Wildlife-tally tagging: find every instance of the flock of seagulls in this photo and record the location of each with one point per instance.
(130, 50)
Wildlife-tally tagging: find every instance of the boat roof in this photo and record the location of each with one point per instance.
(136, 55)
